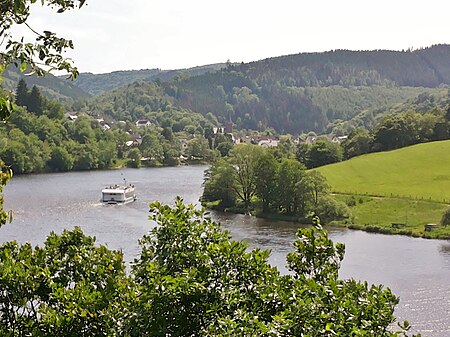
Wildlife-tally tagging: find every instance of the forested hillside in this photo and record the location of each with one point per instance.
(427, 67)
(299, 93)
(303, 92)
(331, 92)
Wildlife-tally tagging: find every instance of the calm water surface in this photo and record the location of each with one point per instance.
(417, 270)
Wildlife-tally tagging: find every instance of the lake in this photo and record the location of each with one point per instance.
(417, 270)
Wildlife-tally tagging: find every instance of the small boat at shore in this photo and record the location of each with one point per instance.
(118, 194)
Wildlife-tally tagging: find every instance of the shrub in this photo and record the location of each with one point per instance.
(445, 220)
(329, 209)
(351, 201)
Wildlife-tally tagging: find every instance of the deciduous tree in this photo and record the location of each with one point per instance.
(194, 280)
(243, 157)
(266, 168)
(198, 149)
(134, 156)
(324, 152)
(60, 160)
(358, 142)
(68, 287)
(317, 184)
(290, 195)
(219, 184)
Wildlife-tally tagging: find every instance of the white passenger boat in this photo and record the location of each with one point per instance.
(118, 194)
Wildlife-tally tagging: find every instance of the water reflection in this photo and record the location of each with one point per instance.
(444, 249)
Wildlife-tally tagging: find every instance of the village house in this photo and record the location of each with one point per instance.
(268, 142)
(310, 140)
(104, 124)
(106, 127)
(71, 116)
(135, 141)
(218, 130)
(143, 123)
(264, 141)
(338, 139)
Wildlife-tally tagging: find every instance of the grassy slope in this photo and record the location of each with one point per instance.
(417, 172)
(378, 213)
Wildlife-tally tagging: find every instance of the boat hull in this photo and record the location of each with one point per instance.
(117, 194)
(116, 202)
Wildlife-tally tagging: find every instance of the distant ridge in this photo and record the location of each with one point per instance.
(99, 83)
(53, 87)
(426, 67)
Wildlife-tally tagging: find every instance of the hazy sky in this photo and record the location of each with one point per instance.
(114, 35)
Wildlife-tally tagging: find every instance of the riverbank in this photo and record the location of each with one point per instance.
(121, 164)
(396, 216)
(399, 216)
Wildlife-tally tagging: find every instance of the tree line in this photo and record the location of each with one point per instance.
(38, 137)
(399, 130)
(392, 132)
(251, 178)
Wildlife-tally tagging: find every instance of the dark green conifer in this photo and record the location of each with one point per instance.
(35, 101)
(22, 93)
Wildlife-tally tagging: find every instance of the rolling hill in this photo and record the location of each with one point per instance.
(417, 172)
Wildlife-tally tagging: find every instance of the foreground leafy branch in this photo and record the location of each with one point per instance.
(191, 279)
(5, 175)
(45, 52)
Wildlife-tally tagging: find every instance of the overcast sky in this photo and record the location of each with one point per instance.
(114, 35)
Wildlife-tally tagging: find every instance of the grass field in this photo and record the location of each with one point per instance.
(409, 186)
(417, 172)
(379, 213)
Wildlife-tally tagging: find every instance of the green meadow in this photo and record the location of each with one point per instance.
(410, 186)
(419, 172)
